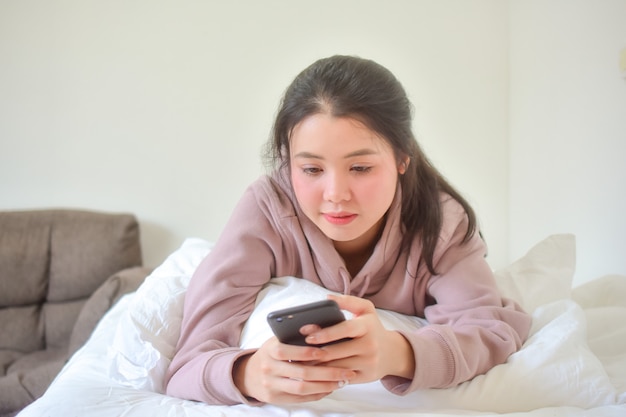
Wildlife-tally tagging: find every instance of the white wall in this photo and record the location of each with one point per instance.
(161, 108)
(568, 129)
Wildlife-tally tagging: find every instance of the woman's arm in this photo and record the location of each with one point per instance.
(471, 327)
(219, 299)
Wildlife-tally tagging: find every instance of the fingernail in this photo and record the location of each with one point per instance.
(343, 383)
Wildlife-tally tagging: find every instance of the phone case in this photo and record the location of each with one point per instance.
(286, 323)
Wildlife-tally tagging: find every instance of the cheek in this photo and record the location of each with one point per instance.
(365, 190)
(304, 189)
(377, 193)
(375, 188)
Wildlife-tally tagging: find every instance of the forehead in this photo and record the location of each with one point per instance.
(323, 132)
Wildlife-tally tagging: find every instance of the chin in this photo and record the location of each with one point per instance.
(340, 237)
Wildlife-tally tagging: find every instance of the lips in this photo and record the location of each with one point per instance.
(339, 219)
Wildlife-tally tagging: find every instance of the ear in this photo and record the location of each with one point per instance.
(403, 165)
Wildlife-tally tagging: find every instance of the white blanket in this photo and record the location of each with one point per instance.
(573, 364)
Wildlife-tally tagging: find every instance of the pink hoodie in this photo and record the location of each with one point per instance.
(471, 327)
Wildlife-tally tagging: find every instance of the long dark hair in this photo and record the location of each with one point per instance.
(347, 86)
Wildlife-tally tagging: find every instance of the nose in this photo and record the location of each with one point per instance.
(336, 188)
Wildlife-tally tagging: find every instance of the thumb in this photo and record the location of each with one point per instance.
(355, 305)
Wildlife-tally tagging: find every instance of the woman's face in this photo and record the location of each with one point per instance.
(344, 176)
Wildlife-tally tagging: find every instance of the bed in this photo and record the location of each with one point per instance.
(573, 364)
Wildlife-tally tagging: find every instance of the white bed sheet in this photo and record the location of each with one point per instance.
(573, 364)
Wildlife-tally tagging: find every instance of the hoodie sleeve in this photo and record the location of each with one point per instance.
(471, 327)
(220, 298)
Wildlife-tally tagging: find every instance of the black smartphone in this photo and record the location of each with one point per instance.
(286, 323)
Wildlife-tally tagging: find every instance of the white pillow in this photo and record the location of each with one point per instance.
(554, 367)
(541, 276)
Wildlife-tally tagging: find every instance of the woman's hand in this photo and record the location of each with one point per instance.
(279, 373)
(373, 352)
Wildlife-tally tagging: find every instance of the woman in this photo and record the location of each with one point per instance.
(352, 204)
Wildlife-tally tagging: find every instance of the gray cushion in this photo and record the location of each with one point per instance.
(21, 328)
(24, 259)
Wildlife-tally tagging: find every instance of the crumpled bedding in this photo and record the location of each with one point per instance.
(573, 364)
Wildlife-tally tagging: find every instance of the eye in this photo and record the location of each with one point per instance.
(311, 170)
(361, 169)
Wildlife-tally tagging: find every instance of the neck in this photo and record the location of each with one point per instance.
(356, 252)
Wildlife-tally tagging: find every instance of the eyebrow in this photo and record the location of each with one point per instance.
(360, 152)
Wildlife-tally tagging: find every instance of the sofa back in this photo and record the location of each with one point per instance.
(51, 261)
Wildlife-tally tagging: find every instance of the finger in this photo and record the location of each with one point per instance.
(313, 373)
(301, 388)
(333, 335)
(281, 381)
(285, 352)
(355, 305)
(295, 399)
(287, 390)
(338, 333)
(303, 381)
(289, 397)
(308, 329)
